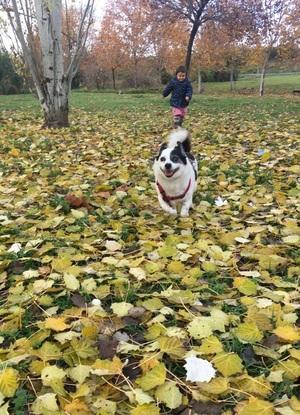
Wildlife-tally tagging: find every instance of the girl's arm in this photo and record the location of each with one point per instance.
(168, 88)
(189, 90)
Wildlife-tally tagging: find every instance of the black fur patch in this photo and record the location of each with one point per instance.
(192, 159)
(187, 144)
(162, 148)
(178, 155)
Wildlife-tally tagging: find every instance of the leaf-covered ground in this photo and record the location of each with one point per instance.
(106, 302)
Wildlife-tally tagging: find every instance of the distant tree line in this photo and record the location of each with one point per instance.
(138, 44)
(148, 77)
(10, 81)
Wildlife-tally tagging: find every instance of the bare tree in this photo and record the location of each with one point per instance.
(196, 12)
(37, 24)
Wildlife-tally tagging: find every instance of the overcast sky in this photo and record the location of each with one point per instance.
(99, 6)
(99, 10)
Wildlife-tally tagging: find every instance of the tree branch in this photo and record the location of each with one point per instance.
(17, 28)
(81, 39)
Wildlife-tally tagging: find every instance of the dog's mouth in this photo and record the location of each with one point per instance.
(170, 173)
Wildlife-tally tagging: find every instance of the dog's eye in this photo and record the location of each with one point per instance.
(175, 159)
(162, 159)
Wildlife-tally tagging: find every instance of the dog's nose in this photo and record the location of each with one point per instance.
(168, 166)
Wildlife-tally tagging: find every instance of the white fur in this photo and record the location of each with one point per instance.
(178, 183)
(180, 134)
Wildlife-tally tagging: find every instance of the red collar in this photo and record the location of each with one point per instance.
(167, 198)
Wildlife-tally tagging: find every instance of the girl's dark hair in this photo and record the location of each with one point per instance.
(180, 69)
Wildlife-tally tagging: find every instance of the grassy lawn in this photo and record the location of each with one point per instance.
(274, 85)
(104, 298)
(217, 98)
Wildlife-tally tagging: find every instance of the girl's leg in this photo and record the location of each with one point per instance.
(183, 114)
(177, 121)
(177, 118)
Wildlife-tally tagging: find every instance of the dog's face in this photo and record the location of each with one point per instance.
(171, 161)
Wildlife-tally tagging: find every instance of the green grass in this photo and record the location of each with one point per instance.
(217, 98)
(247, 107)
(274, 84)
(18, 102)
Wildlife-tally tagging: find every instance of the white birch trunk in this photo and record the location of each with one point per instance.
(53, 85)
(56, 89)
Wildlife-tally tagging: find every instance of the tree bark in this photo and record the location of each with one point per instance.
(55, 87)
(56, 118)
(113, 70)
(231, 78)
(263, 75)
(135, 73)
(189, 51)
(262, 82)
(200, 83)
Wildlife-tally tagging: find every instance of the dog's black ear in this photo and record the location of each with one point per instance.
(162, 148)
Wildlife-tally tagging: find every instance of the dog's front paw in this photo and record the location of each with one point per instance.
(171, 211)
(184, 213)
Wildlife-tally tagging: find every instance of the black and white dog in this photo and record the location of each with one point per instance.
(175, 170)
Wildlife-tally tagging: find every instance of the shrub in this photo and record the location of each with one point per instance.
(10, 81)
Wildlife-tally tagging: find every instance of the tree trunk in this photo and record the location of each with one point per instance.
(262, 82)
(262, 79)
(135, 73)
(56, 108)
(52, 84)
(263, 74)
(231, 78)
(56, 118)
(55, 87)
(200, 83)
(113, 70)
(188, 57)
